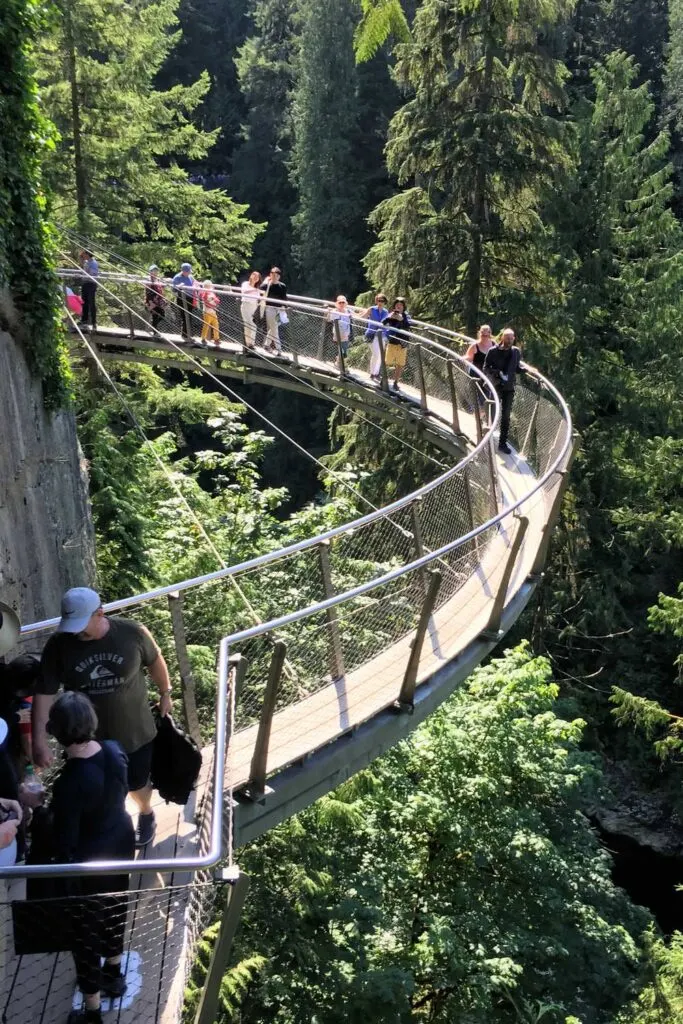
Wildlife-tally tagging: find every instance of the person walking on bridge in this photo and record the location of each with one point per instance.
(502, 364)
(184, 291)
(155, 303)
(105, 657)
(374, 332)
(274, 293)
(89, 289)
(210, 303)
(250, 293)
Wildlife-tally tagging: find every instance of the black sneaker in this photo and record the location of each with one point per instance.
(113, 982)
(146, 830)
(84, 1016)
(394, 386)
(505, 448)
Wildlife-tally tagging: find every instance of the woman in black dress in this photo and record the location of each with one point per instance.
(91, 823)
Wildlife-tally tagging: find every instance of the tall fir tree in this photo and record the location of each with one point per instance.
(211, 32)
(337, 153)
(114, 172)
(260, 175)
(473, 149)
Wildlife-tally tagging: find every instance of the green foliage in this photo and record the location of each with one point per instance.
(661, 1000)
(382, 19)
(454, 880)
(114, 171)
(28, 292)
(472, 149)
(265, 69)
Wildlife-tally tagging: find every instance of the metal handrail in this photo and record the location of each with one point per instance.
(212, 856)
(328, 535)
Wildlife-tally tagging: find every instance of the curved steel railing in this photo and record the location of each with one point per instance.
(386, 546)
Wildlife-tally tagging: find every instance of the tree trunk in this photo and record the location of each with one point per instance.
(71, 74)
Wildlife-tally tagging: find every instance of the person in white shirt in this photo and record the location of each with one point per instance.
(250, 300)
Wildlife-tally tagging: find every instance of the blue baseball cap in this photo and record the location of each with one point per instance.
(78, 604)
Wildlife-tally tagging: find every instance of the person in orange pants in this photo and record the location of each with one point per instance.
(210, 303)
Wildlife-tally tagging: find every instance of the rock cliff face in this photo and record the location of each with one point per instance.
(46, 536)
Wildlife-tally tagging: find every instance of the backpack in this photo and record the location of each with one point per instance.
(176, 762)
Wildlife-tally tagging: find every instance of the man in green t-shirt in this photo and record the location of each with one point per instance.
(106, 658)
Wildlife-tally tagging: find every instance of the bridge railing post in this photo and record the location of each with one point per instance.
(321, 340)
(336, 654)
(468, 503)
(421, 379)
(492, 628)
(476, 409)
(454, 397)
(338, 339)
(207, 1011)
(416, 523)
(406, 697)
(532, 424)
(382, 361)
(493, 476)
(554, 511)
(187, 687)
(259, 761)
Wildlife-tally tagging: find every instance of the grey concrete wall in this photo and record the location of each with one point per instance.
(46, 536)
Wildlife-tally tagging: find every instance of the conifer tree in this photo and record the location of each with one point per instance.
(472, 150)
(115, 173)
(325, 120)
(260, 175)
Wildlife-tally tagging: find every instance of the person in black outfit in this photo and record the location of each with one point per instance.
(502, 364)
(90, 822)
(274, 291)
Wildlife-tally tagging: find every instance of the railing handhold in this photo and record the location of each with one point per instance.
(256, 786)
(336, 654)
(406, 697)
(492, 629)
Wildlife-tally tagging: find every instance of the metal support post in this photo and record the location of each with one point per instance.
(259, 761)
(554, 513)
(468, 504)
(383, 362)
(406, 697)
(491, 631)
(207, 1011)
(239, 663)
(477, 410)
(294, 348)
(187, 687)
(532, 423)
(338, 339)
(417, 532)
(336, 654)
(454, 397)
(321, 341)
(494, 477)
(421, 379)
(131, 325)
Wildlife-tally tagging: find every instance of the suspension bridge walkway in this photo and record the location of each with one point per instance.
(357, 633)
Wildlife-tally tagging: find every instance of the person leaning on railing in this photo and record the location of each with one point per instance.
(89, 821)
(105, 657)
(397, 325)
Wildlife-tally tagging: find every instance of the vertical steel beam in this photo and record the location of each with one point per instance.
(187, 686)
(336, 654)
(454, 397)
(476, 409)
(207, 1011)
(338, 339)
(421, 379)
(406, 697)
(492, 628)
(259, 761)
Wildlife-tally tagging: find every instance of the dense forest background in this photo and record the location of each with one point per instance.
(501, 162)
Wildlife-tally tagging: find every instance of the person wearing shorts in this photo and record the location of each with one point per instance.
(106, 658)
(397, 324)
